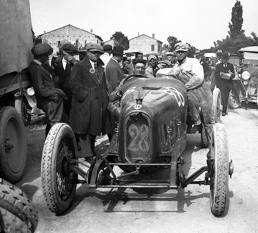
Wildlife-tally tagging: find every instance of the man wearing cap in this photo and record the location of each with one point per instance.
(152, 67)
(223, 81)
(114, 72)
(49, 98)
(62, 66)
(214, 61)
(89, 116)
(190, 72)
(171, 58)
(106, 56)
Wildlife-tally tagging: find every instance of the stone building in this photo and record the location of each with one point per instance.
(76, 36)
(146, 44)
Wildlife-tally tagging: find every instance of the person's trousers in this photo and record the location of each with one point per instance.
(87, 143)
(224, 89)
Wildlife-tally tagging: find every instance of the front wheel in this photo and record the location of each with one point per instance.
(17, 212)
(220, 170)
(233, 101)
(58, 179)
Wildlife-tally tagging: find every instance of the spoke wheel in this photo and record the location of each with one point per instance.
(13, 145)
(219, 179)
(233, 101)
(58, 179)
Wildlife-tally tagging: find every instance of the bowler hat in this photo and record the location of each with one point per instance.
(107, 47)
(181, 46)
(69, 48)
(118, 50)
(42, 49)
(94, 47)
(225, 56)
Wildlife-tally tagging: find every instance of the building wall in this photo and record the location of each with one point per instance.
(145, 44)
(69, 33)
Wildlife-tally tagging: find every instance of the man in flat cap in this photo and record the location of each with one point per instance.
(171, 58)
(190, 72)
(62, 66)
(49, 98)
(114, 72)
(89, 116)
(224, 73)
(106, 56)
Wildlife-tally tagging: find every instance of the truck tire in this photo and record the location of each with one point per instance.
(58, 180)
(13, 145)
(17, 212)
(219, 179)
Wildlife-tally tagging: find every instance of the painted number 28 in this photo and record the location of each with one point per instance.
(138, 137)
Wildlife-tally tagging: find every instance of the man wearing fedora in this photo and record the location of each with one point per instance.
(89, 116)
(224, 82)
(49, 98)
(190, 72)
(62, 66)
(114, 72)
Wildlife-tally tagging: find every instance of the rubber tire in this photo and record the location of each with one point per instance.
(219, 181)
(17, 212)
(216, 105)
(49, 167)
(204, 138)
(233, 102)
(12, 163)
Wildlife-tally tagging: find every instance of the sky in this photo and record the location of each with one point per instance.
(197, 22)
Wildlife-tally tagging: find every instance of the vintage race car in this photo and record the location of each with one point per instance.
(150, 135)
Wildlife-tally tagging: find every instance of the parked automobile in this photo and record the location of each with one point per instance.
(150, 135)
(245, 84)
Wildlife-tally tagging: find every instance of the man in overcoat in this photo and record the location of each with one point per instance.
(49, 98)
(223, 82)
(89, 116)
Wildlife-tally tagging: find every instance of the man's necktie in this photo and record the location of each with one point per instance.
(96, 70)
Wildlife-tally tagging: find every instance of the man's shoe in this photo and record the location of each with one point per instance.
(223, 114)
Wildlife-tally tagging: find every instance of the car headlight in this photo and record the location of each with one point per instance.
(245, 75)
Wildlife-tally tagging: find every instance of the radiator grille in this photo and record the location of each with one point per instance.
(137, 138)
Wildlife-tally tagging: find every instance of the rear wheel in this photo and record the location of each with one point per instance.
(219, 179)
(58, 179)
(17, 212)
(13, 145)
(233, 101)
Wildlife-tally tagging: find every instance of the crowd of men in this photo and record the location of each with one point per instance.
(78, 92)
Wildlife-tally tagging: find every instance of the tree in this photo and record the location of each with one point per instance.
(235, 28)
(172, 41)
(120, 39)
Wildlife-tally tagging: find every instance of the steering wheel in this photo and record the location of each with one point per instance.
(135, 76)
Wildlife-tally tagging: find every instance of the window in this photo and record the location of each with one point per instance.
(152, 47)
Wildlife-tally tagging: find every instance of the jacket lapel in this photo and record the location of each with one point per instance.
(87, 68)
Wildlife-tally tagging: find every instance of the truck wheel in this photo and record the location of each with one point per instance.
(17, 212)
(58, 179)
(204, 138)
(216, 105)
(13, 145)
(219, 179)
(233, 101)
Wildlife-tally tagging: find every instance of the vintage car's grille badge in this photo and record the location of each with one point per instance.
(137, 146)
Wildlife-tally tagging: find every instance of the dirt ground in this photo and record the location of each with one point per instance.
(183, 210)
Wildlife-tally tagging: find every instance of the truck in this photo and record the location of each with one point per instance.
(16, 42)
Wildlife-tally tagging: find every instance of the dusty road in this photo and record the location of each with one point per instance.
(187, 210)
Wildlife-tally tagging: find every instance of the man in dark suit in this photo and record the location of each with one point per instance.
(62, 66)
(89, 116)
(114, 72)
(224, 73)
